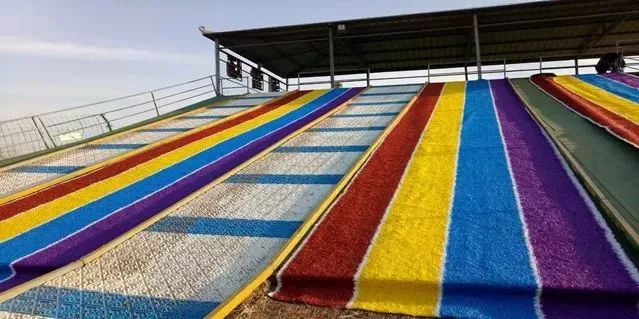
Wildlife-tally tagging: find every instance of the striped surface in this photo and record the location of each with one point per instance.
(48, 228)
(465, 210)
(208, 248)
(24, 175)
(609, 101)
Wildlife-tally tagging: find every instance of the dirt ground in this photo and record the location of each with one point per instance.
(260, 306)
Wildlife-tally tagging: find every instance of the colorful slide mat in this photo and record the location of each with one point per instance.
(50, 226)
(608, 100)
(465, 210)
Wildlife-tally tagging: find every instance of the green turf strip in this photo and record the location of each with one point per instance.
(611, 164)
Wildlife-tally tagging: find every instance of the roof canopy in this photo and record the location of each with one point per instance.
(517, 33)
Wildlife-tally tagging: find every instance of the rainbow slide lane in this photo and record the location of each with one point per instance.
(464, 210)
(46, 228)
(610, 101)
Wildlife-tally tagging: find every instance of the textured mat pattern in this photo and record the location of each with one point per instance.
(212, 245)
(465, 210)
(20, 177)
(49, 227)
(605, 101)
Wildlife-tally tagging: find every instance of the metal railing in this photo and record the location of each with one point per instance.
(53, 129)
(466, 70)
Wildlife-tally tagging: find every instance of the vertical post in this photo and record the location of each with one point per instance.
(218, 76)
(107, 122)
(330, 55)
(505, 76)
(466, 72)
(428, 74)
(477, 51)
(577, 66)
(46, 131)
(157, 111)
(40, 132)
(540, 66)
(368, 77)
(287, 84)
(213, 84)
(248, 83)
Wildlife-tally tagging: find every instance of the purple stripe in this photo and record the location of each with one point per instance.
(581, 275)
(624, 78)
(109, 228)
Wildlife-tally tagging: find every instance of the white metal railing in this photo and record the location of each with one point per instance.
(30, 134)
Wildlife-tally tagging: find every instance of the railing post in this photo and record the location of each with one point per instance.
(428, 74)
(577, 66)
(299, 84)
(368, 77)
(287, 84)
(248, 79)
(157, 111)
(44, 126)
(40, 132)
(107, 122)
(466, 72)
(540, 66)
(213, 84)
(505, 76)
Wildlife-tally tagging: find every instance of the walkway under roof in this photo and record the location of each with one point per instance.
(556, 30)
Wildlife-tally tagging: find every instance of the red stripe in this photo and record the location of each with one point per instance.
(55, 191)
(619, 125)
(322, 271)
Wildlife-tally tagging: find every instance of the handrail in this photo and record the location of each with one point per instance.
(30, 134)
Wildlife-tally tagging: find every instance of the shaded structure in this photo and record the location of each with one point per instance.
(555, 30)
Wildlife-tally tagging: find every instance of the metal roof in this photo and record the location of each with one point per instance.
(517, 33)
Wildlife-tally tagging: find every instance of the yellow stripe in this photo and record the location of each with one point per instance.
(605, 99)
(403, 270)
(23, 222)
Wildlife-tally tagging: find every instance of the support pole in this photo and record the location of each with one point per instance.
(466, 72)
(218, 76)
(577, 66)
(368, 77)
(540, 65)
(477, 52)
(330, 55)
(287, 84)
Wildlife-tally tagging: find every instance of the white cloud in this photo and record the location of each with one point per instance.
(33, 47)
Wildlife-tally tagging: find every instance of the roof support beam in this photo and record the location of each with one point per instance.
(331, 56)
(218, 76)
(477, 52)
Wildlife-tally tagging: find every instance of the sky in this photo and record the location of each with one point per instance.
(58, 54)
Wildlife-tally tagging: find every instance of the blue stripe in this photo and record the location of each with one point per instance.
(611, 86)
(366, 114)
(380, 103)
(321, 149)
(196, 117)
(226, 226)
(66, 303)
(229, 106)
(488, 269)
(326, 179)
(57, 229)
(165, 129)
(387, 93)
(44, 169)
(346, 129)
(114, 146)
